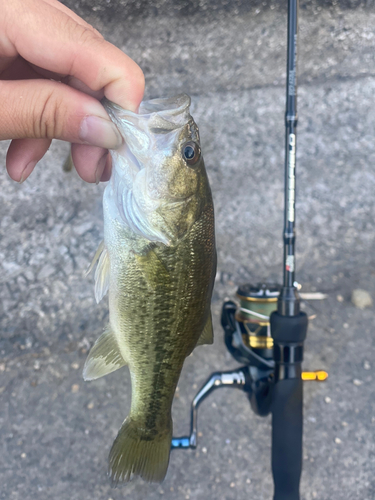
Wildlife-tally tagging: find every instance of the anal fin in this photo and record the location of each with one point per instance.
(105, 357)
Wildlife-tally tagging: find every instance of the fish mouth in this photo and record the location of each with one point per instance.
(169, 106)
(172, 106)
(155, 116)
(154, 127)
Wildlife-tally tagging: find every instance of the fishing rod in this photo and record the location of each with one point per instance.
(266, 330)
(288, 323)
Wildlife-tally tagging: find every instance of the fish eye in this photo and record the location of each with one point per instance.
(191, 153)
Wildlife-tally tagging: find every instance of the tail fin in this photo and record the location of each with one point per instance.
(135, 454)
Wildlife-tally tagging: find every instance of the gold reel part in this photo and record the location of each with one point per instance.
(260, 342)
(317, 376)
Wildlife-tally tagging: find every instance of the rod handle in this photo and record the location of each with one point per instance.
(287, 438)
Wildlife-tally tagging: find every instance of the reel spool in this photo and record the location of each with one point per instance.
(257, 302)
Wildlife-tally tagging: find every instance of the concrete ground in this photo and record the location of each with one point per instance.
(56, 430)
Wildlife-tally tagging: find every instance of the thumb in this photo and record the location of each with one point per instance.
(44, 109)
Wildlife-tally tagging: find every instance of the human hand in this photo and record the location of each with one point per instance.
(54, 68)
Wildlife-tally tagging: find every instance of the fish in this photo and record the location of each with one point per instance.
(158, 264)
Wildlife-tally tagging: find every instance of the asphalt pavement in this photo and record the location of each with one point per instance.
(55, 429)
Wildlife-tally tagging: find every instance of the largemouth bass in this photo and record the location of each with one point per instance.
(158, 262)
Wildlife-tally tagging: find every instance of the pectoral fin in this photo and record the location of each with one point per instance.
(101, 273)
(207, 336)
(153, 269)
(96, 257)
(104, 357)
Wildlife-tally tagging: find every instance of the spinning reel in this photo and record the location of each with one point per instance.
(271, 377)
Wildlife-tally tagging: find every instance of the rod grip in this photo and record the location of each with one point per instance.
(287, 438)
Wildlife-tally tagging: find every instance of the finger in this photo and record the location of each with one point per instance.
(89, 162)
(66, 47)
(23, 155)
(19, 69)
(73, 15)
(43, 109)
(106, 175)
(82, 87)
(22, 70)
(5, 62)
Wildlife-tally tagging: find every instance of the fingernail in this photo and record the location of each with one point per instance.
(99, 132)
(27, 171)
(100, 168)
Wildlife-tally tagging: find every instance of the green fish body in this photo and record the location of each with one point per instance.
(158, 263)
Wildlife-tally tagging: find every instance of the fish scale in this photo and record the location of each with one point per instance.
(164, 324)
(159, 252)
